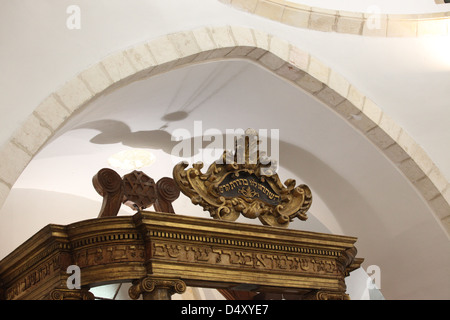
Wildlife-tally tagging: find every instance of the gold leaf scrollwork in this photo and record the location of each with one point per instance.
(248, 193)
(230, 188)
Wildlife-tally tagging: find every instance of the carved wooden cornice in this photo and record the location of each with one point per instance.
(197, 251)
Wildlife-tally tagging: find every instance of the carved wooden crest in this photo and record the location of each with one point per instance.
(136, 190)
(139, 189)
(241, 183)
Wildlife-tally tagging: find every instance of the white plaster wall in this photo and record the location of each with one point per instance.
(406, 77)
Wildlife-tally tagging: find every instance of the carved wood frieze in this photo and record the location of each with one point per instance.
(266, 262)
(196, 251)
(109, 253)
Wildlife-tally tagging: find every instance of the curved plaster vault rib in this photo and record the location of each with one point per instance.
(374, 24)
(205, 44)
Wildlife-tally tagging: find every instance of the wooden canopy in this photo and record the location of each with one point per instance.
(162, 253)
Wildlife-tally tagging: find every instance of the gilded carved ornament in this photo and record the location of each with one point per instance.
(243, 183)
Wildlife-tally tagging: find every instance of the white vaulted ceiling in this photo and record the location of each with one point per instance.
(357, 190)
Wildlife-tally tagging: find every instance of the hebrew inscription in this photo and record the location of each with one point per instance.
(249, 187)
(242, 258)
(108, 254)
(33, 278)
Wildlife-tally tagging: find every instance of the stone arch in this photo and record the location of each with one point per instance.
(373, 24)
(227, 42)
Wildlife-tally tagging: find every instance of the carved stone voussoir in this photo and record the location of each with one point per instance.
(243, 183)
